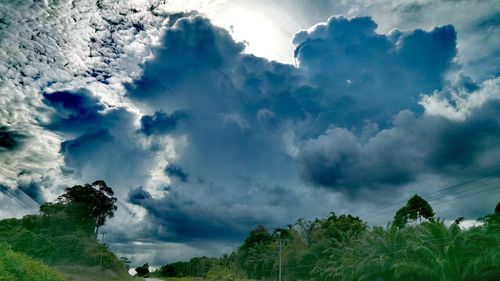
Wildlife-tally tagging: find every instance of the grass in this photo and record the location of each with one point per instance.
(176, 278)
(82, 273)
(19, 267)
(188, 279)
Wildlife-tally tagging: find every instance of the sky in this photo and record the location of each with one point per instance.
(208, 118)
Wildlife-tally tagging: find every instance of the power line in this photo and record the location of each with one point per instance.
(472, 194)
(15, 196)
(466, 182)
(384, 210)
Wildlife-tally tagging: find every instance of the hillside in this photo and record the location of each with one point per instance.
(63, 235)
(19, 267)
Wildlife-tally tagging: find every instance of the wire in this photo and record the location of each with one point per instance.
(440, 190)
(14, 196)
(454, 192)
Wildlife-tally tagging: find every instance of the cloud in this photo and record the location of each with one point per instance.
(104, 144)
(205, 140)
(52, 46)
(77, 111)
(162, 123)
(176, 218)
(374, 75)
(190, 49)
(9, 139)
(310, 124)
(413, 146)
(34, 191)
(176, 172)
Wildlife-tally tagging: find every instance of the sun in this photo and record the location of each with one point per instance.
(259, 31)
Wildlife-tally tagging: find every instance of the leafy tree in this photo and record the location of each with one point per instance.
(62, 233)
(258, 235)
(89, 205)
(344, 248)
(493, 220)
(142, 271)
(459, 220)
(126, 262)
(415, 208)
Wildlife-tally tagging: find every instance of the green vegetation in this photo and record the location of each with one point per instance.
(18, 267)
(416, 209)
(416, 246)
(198, 266)
(64, 233)
(143, 270)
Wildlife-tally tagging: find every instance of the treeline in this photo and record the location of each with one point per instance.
(416, 246)
(64, 232)
(196, 267)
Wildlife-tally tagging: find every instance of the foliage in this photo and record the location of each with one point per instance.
(143, 270)
(18, 267)
(89, 204)
(416, 208)
(126, 262)
(198, 266)
(62, 234)
(344, 248)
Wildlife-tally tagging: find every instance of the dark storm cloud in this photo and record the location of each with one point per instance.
(346, 119)
(238, 105)
(103, 145)
(243, 107)
(412, 146)
(74, 110)
(162, 123)
(176, 172)
(491, 22)
(10, 139)
(253, 135)
(471, 147)
(192, 48)
(34, 191)
(77, 152)
(371, 75)
(74, 104)
(79, 111)
(135, 196)
(176, 218)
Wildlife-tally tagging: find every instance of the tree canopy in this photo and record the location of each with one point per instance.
(344, 248)
(142, 270)
(89, 205)
(63, 232)
(415, 209)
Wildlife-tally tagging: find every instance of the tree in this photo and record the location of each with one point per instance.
(459, 220)
(142, 270)
(416, 208)
(492, 218)
(259, 234)
(92, 204)
(126, 262)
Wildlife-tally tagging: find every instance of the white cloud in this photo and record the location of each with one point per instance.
(457, 103)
